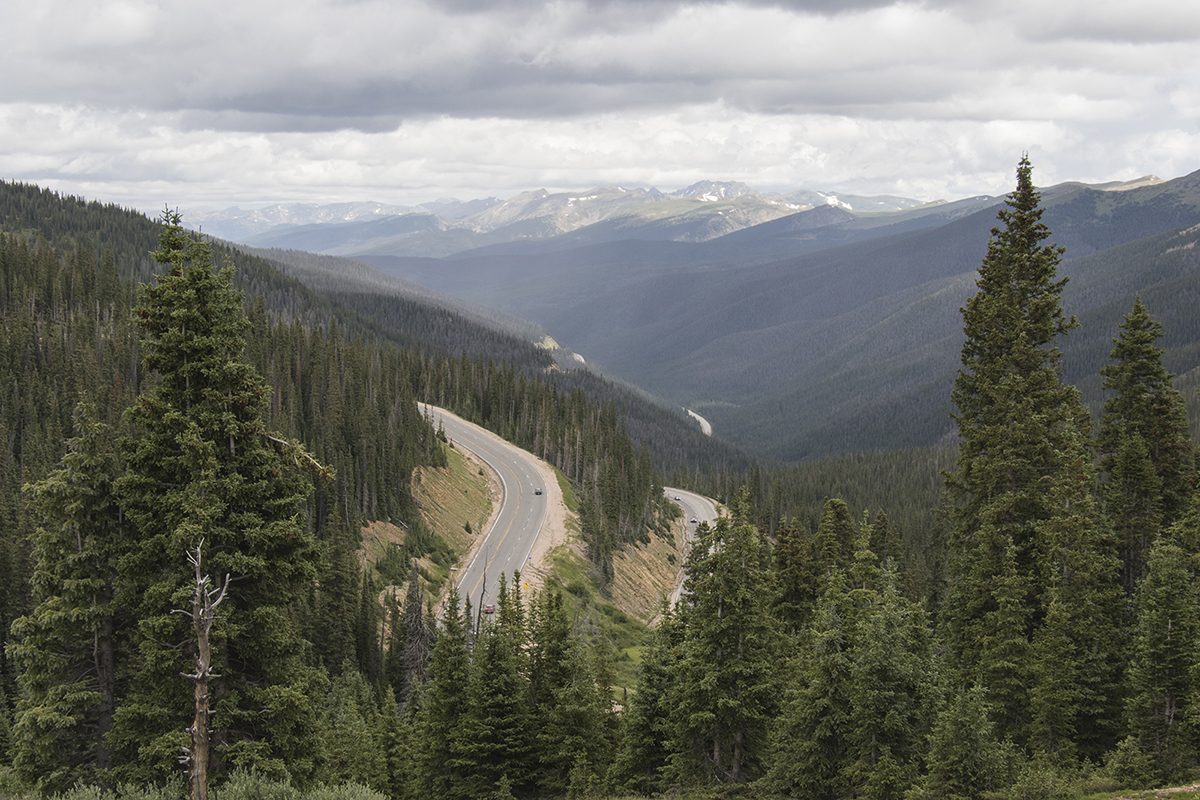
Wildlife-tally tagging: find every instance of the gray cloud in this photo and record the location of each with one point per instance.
(313, 99)
(640, 9)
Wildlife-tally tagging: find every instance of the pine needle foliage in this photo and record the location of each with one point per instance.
(206, 468)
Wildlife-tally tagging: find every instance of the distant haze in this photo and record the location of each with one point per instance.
(736, 204)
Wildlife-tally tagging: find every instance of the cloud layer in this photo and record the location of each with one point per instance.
(246, 102)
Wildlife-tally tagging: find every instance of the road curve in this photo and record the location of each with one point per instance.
(695, 507)
(508, 544)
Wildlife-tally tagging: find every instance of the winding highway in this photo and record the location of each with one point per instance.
(695, 506)
(508, 543)
(696, 509)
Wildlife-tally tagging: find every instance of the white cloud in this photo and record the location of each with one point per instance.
(243, 101)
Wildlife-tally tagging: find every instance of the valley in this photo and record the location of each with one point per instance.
(824, 330)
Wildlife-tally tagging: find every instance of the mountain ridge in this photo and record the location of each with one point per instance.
(824, 330)
(568, 210)
(540, 213)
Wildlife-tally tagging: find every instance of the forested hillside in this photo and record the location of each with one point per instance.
(1013, 614)
(325, 386)
(1053, 653)
(827, 331)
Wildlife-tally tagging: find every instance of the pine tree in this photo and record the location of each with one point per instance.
(1161, 679)
(725, 691)
(571, 735)
(368, 632)
(966, 758)
(337, 604)
(811, 738)
(205, 467)
(604, 678)
(1022, 468)
(645, 726)
(836, 534)
(68, 647)
(347, 732)
(857, 723)
(550, 671)
(885, 543)
(796, 576)
(415, 640)
(1144, 442)
(1002, 663)
(394, 734)
(494, 741)
(1133, 501)
(893, 695)
(1055, 695)
(1085, 605)
(442, 705)
(1186, 532)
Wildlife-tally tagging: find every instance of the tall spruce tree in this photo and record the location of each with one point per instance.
(347, 732)
(812, 739)
(1085, 605)
(1024, 520)
(1133, 502)
(413, 639)
(893, 694)
(571, 741)
(642, 757)
(1144, 442)
(796, 578)
(551, 669)
(834, 542)
(725, 690)
(1162, 683)
(337, 600)
(442, 706)
(68, 647)
(205, 468)
(966, 758)
(494, 742)
(857, 721)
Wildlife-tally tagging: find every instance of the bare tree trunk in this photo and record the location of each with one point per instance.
(204, 605)
(198, 766)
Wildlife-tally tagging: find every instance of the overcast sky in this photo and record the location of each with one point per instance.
(206, 105)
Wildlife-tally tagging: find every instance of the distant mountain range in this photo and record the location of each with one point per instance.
(702, 211)
(797, 332)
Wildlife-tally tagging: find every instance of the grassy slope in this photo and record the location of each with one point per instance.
(449, 498)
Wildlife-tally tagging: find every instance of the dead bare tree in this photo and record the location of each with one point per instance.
(205, 599)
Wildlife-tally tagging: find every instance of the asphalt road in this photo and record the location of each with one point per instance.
(695, 506)
(508, 543)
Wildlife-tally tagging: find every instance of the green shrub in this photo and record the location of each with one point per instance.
(83, 792)
(1131, 765)
(10, 786)
(615, 614)
(174, 789)
(343, 791)
(253, 785)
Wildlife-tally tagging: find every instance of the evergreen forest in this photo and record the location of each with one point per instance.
(194, 442)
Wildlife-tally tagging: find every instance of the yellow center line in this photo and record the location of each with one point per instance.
(496, 550)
